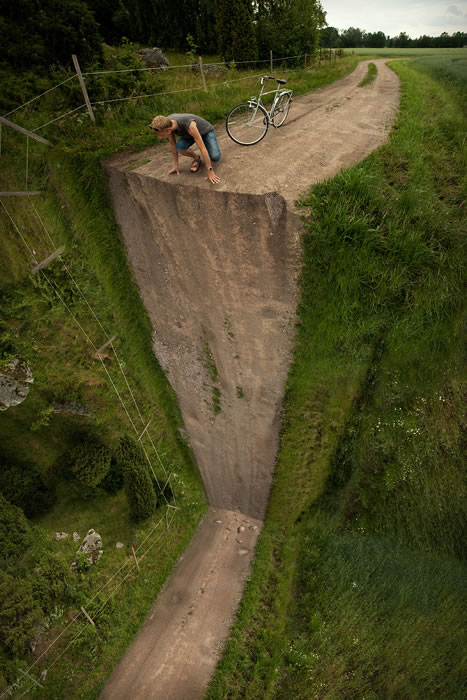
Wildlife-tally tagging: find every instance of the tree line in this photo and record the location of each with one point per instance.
(44, 33)
(353, 38)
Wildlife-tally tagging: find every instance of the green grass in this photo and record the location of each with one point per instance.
(356, 589)
(409, 53)
(76, 211)
(370, 76)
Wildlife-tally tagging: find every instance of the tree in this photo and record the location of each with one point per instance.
(236, 33)
(53, 29)
(139, 490)
(289, 27)
(329, 38)
(375, 40)
(352, 38)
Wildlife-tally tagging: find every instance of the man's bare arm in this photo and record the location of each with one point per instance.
(172, 144)
(194, 132)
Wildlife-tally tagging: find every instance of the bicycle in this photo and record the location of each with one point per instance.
(247, 123)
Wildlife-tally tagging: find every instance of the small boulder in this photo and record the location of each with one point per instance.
(60, 536)
(15, 378)
(153, 58)
(76, 537)
(92, 546)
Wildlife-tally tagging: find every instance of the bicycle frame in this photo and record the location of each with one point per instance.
(256, 101)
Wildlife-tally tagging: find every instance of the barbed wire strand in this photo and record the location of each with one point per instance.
(104, 331)
(88, 602)
(100, 609)
(164, 68)
(62, 116)
(38, 96)
(51, 284)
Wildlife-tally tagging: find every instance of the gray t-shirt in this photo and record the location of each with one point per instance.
(184, 121)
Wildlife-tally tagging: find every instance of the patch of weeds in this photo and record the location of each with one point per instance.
(216, 400)
(209, 363)
(240, 392)
(370, 76)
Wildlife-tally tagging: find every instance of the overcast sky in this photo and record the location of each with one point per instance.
(431, 17)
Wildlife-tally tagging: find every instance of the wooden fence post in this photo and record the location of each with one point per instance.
(83, 86)
(270, 61)
(201, 70)
(304, 63)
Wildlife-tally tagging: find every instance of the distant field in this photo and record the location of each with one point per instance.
(413, 53)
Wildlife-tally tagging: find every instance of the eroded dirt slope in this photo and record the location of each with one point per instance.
(217, 269)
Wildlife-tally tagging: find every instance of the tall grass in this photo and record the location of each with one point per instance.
(357, 585)
(76, 211)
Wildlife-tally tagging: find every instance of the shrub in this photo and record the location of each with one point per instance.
(51, 580)
(89, 463)
(20, 614)
(139, 490)
(113, 480)
(16, 533)
(23, 486)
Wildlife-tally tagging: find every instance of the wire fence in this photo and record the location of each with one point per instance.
(309, 60)
(132, 562)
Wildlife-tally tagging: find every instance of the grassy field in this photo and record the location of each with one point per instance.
(408, 53)
(53, 334)
(358, 587)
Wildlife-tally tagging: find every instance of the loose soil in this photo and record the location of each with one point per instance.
(217, 267)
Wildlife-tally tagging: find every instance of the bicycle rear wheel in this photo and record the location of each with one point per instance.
(247, 123)
(281, 109)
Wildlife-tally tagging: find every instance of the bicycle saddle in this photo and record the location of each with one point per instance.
(280, 81)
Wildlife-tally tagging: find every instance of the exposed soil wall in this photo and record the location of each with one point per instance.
(217, 274)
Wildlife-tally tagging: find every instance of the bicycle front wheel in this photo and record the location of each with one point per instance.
(281, 109)
(247, 123)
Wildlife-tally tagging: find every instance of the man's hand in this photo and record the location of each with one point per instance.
(174, 170)
(212, 177)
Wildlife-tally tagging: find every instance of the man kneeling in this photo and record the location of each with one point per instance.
(190, 129)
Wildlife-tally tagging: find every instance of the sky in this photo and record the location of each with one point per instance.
(431, 17)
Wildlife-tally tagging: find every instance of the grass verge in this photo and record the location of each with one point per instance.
(52, 333)
(356, 588)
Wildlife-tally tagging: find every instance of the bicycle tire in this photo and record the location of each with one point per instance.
(281, 109)
(247, 124)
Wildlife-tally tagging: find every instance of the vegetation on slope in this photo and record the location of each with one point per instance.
(357, 585)
(72, 460)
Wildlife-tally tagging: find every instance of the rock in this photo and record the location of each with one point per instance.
(119, 545)
(92, 546)
(76, 537)
(71, 408)
(254, 528)
(153, 58)
(15, 379)
(60, 536)
(218, 522)
(242, 552)
(241, 529)
(209, 68)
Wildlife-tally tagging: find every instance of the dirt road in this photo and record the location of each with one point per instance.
(217, 269)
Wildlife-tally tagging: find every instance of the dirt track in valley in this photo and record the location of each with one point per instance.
(217, 269)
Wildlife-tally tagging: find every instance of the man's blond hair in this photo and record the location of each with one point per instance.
(160, 123)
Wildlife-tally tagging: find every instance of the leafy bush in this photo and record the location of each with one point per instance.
(89, 463)
(20, 614)
(23, 486)
(16, 533)
(51, 580)
(113, 480)
(139, 490)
